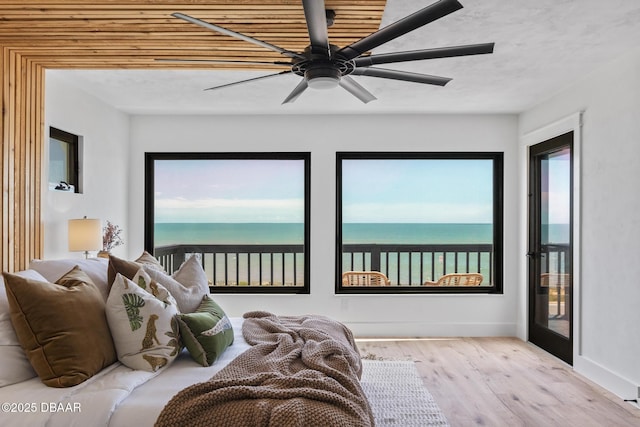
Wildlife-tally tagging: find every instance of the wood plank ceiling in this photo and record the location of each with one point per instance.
(134, 33)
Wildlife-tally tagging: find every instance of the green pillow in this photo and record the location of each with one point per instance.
(206, 333)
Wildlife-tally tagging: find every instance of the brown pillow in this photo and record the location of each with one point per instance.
(62, 327)
(117, 265)
(129, 268)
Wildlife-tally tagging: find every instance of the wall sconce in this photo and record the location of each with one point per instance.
(85, 235)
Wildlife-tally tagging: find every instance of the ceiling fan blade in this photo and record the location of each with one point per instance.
(248, 80)
(398, 28)
(222, 61)
(296, 92)
(417, 55)
(401, 75)
(356, 89)
(316, 16)
(240, 36)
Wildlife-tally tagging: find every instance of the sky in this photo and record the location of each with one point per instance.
(417, 191)
(229, 190)
(557, 200)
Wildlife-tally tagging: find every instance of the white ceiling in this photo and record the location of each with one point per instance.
(542, 46)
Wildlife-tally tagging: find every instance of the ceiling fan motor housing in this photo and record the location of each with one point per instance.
(323, 70)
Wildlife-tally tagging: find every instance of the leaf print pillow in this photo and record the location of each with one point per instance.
(141, 316)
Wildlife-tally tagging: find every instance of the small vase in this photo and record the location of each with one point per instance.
(104, 254)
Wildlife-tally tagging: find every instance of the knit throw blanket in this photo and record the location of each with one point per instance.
(301, 371)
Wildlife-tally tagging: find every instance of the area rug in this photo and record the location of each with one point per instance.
(398, 397)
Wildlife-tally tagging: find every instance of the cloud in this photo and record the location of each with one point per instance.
(418, 213)
(229, 210)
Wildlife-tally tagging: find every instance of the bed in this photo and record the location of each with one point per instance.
(295, 370)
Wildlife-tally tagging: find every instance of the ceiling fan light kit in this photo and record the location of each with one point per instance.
(325, 66)
(322, 78)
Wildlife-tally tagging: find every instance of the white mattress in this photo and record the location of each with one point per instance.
(117, 396)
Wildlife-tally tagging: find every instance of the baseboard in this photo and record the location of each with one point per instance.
(426, 329)
(616, 384)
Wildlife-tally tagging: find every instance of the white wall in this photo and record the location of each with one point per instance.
(373, 315)
(105, 169)
(609, 288)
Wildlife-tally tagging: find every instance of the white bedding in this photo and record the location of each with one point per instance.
(118, 396)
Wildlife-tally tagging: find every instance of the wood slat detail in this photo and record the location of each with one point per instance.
(21, 129)
(145, 29)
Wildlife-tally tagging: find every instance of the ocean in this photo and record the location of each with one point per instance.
(293, 233)
(228, 233)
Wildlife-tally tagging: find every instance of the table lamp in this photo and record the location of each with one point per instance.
(85, 235)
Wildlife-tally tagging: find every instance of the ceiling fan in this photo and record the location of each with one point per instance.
(324, 66)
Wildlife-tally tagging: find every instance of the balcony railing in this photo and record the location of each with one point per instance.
(555, 258)
(277, 265)
(413, 264)
(240, 265)
(403, 264)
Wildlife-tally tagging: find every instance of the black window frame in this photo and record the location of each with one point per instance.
(72, 160)
(498, 233)
(149, 214)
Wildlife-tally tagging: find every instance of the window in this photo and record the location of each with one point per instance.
(63, 161)
(245, 215)
(419, 222)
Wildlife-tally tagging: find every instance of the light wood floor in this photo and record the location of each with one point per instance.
(505, 382)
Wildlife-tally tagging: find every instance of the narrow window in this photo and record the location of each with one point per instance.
(244, 215)
(419, 222)
(63, 161)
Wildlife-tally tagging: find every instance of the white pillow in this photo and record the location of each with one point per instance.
(187, 285)
(14, 365)
(143, 327)
(96, 269)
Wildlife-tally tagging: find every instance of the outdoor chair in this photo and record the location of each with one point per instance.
(557, 288)
(457, 279)
(551, 280)
(364, 278)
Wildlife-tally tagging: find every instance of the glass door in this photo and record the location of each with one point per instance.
(551, 246)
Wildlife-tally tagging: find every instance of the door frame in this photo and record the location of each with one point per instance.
(572, 123)
(545, 336)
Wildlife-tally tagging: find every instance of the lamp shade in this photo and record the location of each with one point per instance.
(85, 234)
